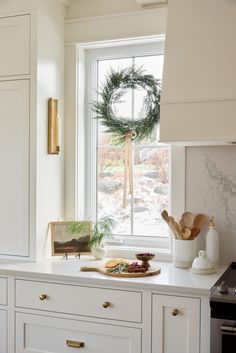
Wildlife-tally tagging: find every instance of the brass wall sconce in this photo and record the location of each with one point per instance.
(53, 127)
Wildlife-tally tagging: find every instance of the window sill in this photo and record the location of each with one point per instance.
(129, 252)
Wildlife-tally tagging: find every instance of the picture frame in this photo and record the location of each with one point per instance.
(66, 243)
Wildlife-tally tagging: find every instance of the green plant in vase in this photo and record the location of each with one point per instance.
(101, 230)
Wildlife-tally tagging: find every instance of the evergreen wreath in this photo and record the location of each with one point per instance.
(116, 85)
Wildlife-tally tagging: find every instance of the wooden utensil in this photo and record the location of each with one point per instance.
(187, 219)
(199, 221)
(194, 233)
(175, 227)
(186, 233)
(170, 221)
(181, 223)
(165, 216)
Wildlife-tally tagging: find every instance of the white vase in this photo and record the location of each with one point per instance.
(98, 252)
(184, 252)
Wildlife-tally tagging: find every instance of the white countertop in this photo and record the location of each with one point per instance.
(170, 279)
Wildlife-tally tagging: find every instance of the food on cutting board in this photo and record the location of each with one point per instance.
(135, 267)
(122, 265)
(115, 262)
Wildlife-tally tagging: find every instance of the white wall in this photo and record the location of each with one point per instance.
(50, 168)
(99, 20)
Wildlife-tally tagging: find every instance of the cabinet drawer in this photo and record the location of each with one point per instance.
(35, 333)
(3, 291)
(14, 45)
(79, 300)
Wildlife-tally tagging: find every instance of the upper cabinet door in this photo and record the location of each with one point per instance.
(15, 45)
(199, 86)
(14, 162)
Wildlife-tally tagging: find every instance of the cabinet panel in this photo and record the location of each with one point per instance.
(3, 331)
(3, 291)
(198, 93)
(124, 305)
(176, 324)
(14, 45)
(14, 159)
(37, 334)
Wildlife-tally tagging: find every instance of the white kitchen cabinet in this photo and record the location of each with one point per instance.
(14, 176)
(175, 324)
(36, 334)
(199, 88)
(3, 331)
(15, 45)
(31, 180)
(51, 301)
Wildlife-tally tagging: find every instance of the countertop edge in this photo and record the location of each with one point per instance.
(102, 280)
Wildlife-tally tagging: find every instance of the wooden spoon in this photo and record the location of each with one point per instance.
(199, 221)
(187, 219)
(165, 216)
(186, 233)
(175, 226)
(194, 233)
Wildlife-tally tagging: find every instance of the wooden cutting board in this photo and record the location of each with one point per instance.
(151, 272)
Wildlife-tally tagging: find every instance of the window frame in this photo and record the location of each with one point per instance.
(87, 57)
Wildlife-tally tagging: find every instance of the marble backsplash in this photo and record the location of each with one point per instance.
(211, 189)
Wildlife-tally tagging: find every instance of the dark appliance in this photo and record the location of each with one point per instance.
(223, 312)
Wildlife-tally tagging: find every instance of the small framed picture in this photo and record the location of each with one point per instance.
(71, 238)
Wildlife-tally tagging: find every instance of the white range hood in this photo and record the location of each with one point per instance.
(199, 81)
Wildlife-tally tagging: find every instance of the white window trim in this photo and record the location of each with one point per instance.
(83, 200)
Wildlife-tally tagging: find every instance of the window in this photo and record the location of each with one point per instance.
(140, 222)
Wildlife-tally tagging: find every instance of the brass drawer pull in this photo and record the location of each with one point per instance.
(43, 297)
(106, 304)
(75, 344)
(175, 312)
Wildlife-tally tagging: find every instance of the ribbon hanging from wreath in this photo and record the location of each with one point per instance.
(126, 130)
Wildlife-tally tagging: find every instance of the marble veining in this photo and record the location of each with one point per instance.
(211, 189)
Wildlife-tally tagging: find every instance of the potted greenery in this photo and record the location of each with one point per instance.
(101, 230)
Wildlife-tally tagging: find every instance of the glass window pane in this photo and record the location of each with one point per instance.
(151, 190)
(110, 184)
(152, 65)
(142, 216)
(123, 109)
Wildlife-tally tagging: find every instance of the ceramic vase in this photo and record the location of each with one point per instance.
(98, 252)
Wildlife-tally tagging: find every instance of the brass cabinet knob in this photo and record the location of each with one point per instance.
(75, 344)
(175, 312)
(43, 296)
(106, 304)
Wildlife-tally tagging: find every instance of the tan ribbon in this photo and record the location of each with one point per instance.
(128, 166)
